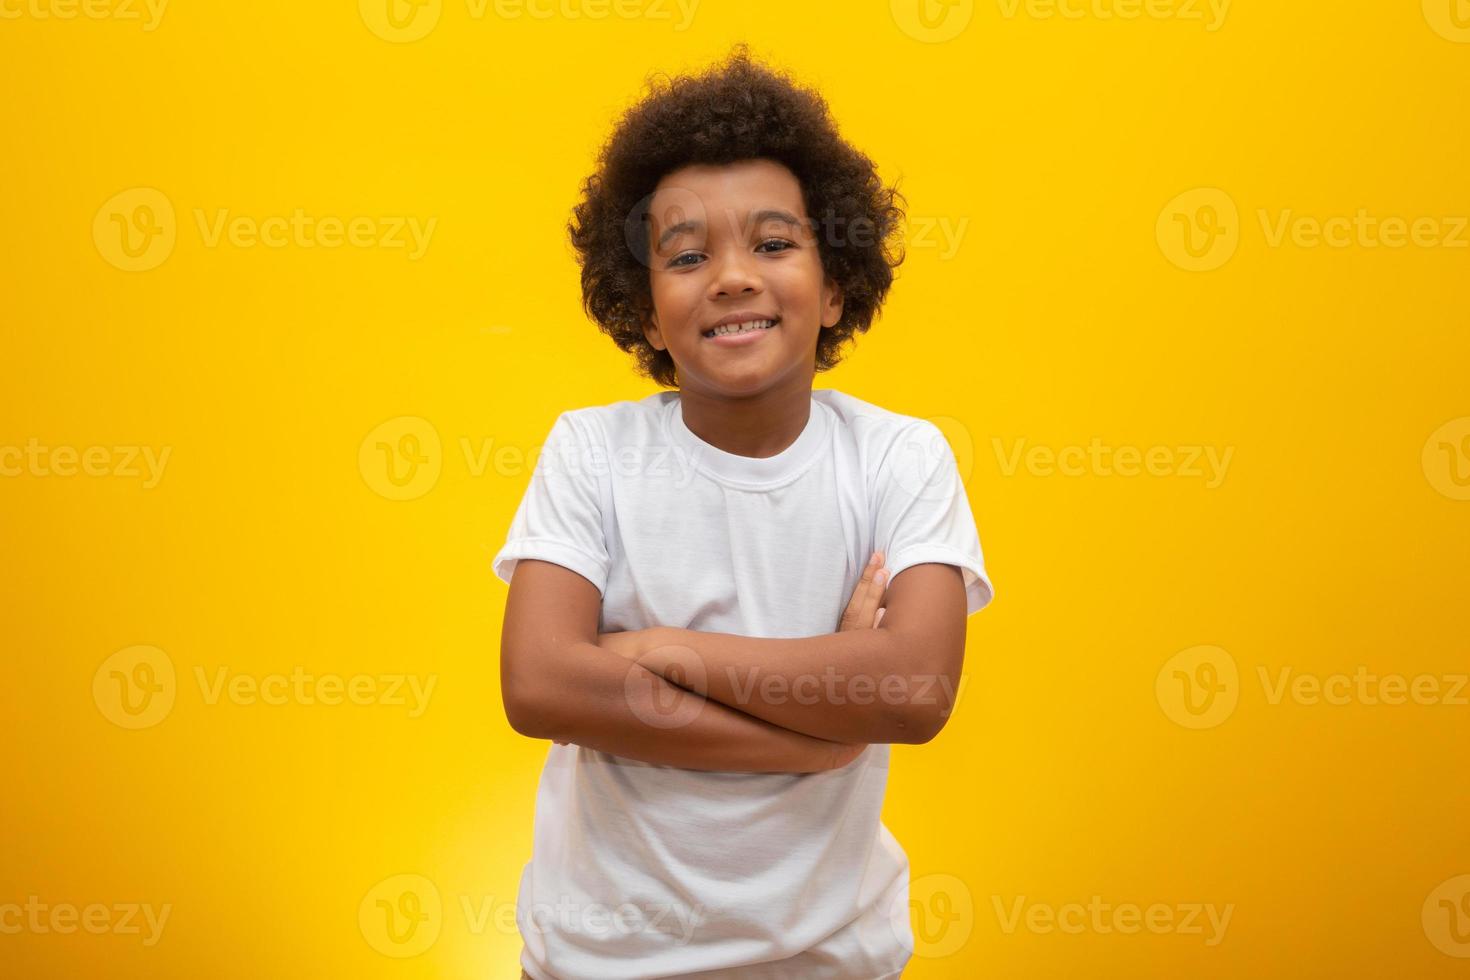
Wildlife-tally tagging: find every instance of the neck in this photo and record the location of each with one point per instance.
(758, 426)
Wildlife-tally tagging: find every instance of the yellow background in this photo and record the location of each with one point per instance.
(1335, 540)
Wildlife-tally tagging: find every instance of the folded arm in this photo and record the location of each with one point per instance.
(895, 682)
(557, 683)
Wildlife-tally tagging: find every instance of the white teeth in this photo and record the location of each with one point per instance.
(745, 327)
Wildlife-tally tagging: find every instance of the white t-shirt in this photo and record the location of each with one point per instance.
(645, 871)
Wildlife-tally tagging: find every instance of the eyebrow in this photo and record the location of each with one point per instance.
(761, 217)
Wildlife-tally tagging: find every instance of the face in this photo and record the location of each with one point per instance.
(734, 241)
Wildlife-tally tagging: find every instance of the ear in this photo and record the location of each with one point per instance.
(831, 303)
(652, 332)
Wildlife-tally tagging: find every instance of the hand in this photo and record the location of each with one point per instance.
(864, 610)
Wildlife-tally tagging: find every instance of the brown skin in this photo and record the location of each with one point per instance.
(754, 400)
(558, 684)
(864, 611)
(750, 401)
(921, 638)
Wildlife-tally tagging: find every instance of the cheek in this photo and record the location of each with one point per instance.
(674, 297)
(798, 287)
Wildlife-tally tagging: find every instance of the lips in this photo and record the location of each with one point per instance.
(737, 319)
(744, 339)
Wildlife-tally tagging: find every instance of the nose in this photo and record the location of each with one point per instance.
(736, 275)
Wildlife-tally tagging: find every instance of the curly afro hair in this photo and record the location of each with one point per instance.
(734, 111)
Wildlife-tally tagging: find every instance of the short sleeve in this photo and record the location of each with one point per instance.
(560, 517)
(922, 513)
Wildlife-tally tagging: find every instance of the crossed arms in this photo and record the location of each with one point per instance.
(725, 702)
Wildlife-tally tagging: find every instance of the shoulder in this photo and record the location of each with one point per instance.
(873, 429)
(899, 456)
(619, 423)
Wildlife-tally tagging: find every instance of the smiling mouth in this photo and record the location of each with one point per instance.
(735, 329)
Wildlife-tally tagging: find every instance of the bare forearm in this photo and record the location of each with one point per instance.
(605, 702)
(847, 687)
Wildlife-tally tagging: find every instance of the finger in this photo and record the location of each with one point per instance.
(872, 592)
(874, 596)
(852, 615)
(879, 618)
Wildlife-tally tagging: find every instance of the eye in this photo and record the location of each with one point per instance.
(678, 260)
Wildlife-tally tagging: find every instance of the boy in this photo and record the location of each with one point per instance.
(695, 616)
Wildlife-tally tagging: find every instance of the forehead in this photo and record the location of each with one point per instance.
(732, 188)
